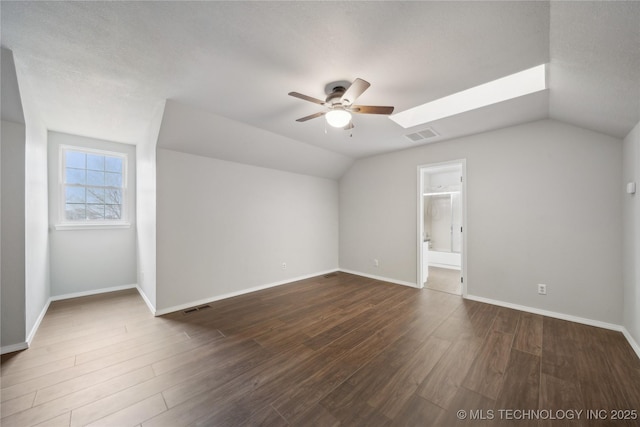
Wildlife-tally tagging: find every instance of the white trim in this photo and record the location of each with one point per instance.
(590, 322)
(92, 292)
(61, 222)
(446, 266)
(441, 193)
(91, 226)
(14, 347)
(420, 226)
(562, 316)
(26, 344)
(632, 342)
(36, 325)
(190, 304)
(152, 309)
(381, 278)
(597, 323)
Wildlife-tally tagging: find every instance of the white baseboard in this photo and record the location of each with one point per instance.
(92, 292)
(381, 278)
(36, 325)
(146, 300)
(632, 342)
(555, 315)
(25, 345)
(597, 323)
(562, 316)
(207, 300)
(32, 333)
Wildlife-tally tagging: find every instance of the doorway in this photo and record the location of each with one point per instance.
(442, 227)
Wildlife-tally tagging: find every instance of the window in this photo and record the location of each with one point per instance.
(93, 187)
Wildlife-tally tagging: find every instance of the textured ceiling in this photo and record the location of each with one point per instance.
(101, 68)
(595, 65)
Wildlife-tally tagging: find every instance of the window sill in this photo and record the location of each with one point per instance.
(92, 226)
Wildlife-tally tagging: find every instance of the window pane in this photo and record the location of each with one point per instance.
(74, 211)
(113, 179)
(95, 178)
(95, 195)
(95, 162)
(95, 211)
(93, 187)
(113, 164)
(113, 196)
(113, 212)
(74, 195)
(75, 176)
(73, 159)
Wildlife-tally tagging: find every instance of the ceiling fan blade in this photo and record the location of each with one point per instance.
(312, 116)
(306, 98)
(355, 90)
(370, 109)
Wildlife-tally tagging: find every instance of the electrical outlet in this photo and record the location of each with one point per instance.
(284, 265)
(542, 289)
(376, 263)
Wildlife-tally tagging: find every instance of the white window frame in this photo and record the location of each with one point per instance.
(87, 224)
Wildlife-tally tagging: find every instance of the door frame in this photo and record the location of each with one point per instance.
(422, 169)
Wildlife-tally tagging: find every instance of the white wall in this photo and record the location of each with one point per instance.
(37, 275)
(225, 227)
(90, 260)
(631, 240)
(146, 222)
(13, 235)
(29, 247)
(12, 216)
(543, 206)
(146, 209)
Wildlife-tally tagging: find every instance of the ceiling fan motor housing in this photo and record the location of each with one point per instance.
(334, 98)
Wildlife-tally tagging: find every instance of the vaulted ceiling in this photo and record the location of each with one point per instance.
(101, 69)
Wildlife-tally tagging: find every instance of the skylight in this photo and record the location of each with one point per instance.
(505, 88)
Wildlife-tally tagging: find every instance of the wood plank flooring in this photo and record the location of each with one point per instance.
(340, 350)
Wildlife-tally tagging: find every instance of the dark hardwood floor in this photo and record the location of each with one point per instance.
(328, 351)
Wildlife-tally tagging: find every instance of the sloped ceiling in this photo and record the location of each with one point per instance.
(595, 65)
(100, 68)
(11, 106)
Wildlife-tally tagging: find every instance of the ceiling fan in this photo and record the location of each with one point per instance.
(340, 105)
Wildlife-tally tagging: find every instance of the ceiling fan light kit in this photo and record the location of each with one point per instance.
(338, 118)
(339, 101)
